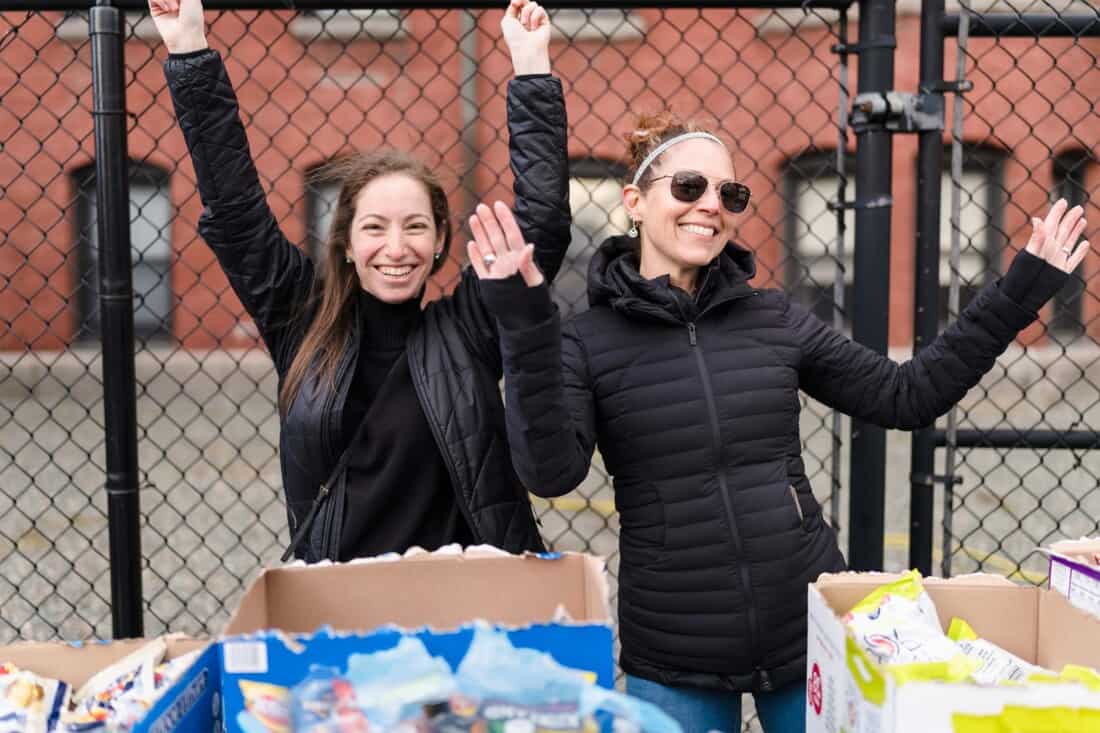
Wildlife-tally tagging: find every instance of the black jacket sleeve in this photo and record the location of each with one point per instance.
(537, 148)
(866, 385)
(550, 411)
(540, 169)
(271, 277)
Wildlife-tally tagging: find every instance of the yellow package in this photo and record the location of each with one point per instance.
(995, 665)
(897, 624)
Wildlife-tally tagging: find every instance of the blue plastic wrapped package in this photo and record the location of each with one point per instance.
(378, 692)
(515, 684)
(496, 689)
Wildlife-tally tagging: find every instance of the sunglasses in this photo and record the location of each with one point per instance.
(689, 186)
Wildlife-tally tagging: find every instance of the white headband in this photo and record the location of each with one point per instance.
(668, 144)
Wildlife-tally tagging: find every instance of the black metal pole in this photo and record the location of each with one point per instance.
(116, 306)
(926, 281)
(871, 296)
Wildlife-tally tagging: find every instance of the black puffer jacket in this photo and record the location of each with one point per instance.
(695, 404)
(453, 356)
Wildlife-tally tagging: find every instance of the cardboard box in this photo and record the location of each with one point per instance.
(192, 705)
(1075, 573)
(848, 694)
(556, 603)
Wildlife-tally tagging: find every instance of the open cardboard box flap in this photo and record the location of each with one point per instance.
(76, 663)
(441, 590)
(1037, 625)
(1084, 550)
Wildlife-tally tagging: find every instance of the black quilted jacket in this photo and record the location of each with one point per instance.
(695, 405)
(453, 356)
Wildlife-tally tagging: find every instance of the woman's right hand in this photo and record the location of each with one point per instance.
(180, 23)
(498, 251)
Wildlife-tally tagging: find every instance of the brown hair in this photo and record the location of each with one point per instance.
(650, 130)
(336, 284)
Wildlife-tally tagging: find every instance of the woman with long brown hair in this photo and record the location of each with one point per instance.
(392, 426)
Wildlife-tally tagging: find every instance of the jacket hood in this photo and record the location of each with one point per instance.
(614, 280)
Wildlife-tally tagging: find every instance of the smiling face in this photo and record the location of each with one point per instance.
(677, 237)
(393, 238)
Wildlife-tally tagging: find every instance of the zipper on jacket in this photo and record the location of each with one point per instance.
(723, 487)
(429, 415)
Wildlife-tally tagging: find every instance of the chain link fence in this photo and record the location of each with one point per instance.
(316, 84)
(1030, 135)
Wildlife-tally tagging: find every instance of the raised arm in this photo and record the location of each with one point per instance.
(270, 276)
(550, 412)
(537, 128)
(869, 386)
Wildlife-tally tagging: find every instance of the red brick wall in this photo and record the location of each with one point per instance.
(773, 96)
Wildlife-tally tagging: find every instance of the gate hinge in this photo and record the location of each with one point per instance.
(897, 112)
(928, 481)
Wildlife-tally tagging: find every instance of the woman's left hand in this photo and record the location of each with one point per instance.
(526, 30)
(498, 250)
(1054, 238)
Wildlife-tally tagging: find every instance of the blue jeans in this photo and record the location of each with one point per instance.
(700, 711)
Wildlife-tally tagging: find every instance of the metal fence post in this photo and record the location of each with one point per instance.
(116, 302)
(926, 278)
(871, 300)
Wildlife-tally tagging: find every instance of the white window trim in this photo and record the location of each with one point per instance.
(601, 24)
(74, 27)
(348, 25)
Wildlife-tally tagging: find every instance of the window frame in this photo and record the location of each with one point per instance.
(1071, 171)
(87, 296)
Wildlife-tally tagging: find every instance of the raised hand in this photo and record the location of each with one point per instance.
(180, 24)
(1054, 238)
(526, 30)
(498, 250)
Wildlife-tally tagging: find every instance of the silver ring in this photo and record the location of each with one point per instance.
(489, 260)
(1067, 250)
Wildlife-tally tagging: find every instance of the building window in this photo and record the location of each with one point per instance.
(596, 199)
(348, 25)
(321, 198)
(1070, 174)
(150, 246)
(981, 212)
(812, 183)
(810, 269)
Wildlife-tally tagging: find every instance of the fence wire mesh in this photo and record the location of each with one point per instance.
(1030, 135)
(317, 84)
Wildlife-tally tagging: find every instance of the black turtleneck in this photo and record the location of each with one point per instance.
(399, 492)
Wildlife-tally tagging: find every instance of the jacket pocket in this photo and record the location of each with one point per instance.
(806, 508)
(641, 515)
(797, 506)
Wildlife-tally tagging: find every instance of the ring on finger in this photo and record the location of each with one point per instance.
(489, 260)
(1068, 250)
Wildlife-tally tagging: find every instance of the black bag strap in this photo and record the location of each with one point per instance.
(324, 491)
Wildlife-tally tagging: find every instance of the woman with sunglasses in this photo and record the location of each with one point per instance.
(689, 378)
